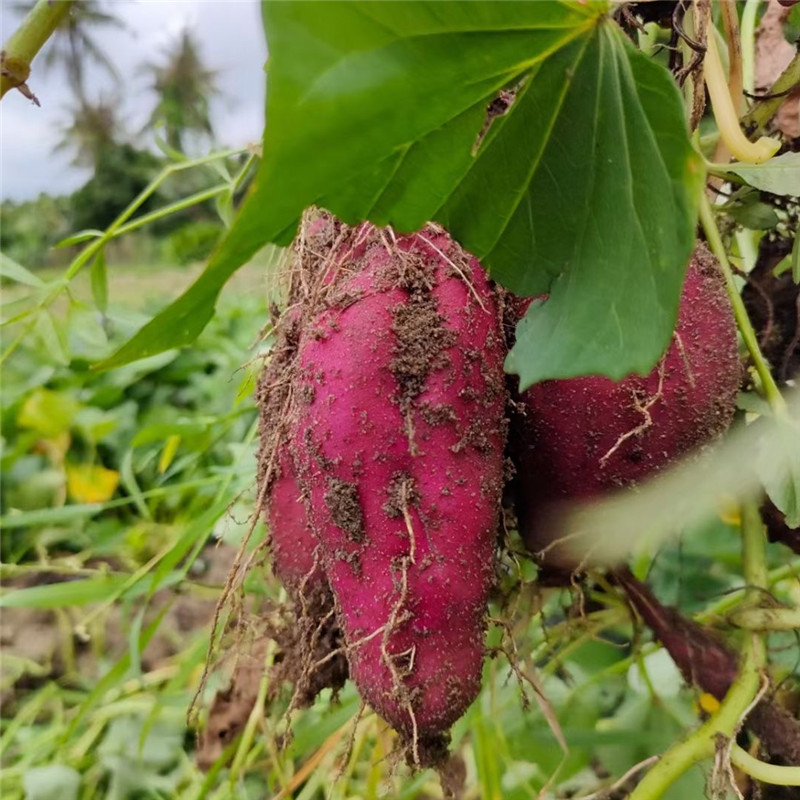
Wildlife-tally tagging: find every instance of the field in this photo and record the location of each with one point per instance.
(132, 491)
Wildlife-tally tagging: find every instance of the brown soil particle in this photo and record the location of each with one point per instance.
(403, 493)
(439, 414)
(422, 342)
(345, 508)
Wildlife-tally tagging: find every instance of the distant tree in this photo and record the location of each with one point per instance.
(74, 42)
(184, 87)
(92, 130)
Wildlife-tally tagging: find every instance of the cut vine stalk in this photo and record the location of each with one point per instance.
(23, 45)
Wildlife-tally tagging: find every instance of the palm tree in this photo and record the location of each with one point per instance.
(93, 129)
(74, 42)
(185, 87)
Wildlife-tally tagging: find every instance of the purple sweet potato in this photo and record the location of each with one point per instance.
(581, 437)
(398, 444)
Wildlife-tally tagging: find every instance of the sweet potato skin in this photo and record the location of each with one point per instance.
(399, 446)
(582, 437)
(293, 546)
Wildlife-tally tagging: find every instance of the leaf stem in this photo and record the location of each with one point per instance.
(23, 45)
(726, 114)
(770, 388)
(754, 556)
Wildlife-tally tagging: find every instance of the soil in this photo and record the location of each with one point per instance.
(773, 304)
(47, 637)
(422, 342)
(345, 508)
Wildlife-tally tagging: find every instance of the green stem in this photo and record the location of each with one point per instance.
(781, 573)
(119, 227)
(178, 205)
(51, 516)
(256, 716)
(23, 45)
(754, 555)
(84, 257)
(703, 743)
(764, 110)
(768, 384)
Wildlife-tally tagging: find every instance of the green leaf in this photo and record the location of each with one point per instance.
(131, 485)
(49, 516)
(99, 280)
(67, 593)
(791, 27)
(779, 469)
(620, 229)
(779, 175)
(266, 216)
(748, 209)
(586, 184)
(52, 335)
(16, 272)
(160, 432)
(51, 782)
(80, 236)
(795, 258)
(47, 412)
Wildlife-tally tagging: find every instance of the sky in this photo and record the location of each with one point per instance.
(231, 41)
